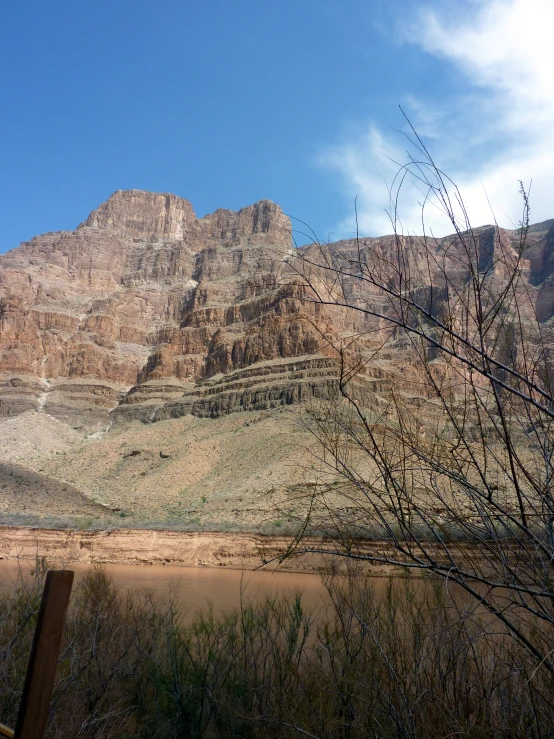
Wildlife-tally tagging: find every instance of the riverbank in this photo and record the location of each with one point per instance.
(239, 551)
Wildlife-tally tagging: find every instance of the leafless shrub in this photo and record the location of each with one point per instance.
(442, 432)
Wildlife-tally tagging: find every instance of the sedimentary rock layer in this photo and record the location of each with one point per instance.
(147, 312)
(147, 547)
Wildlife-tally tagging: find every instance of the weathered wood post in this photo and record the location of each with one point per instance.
(41, 671)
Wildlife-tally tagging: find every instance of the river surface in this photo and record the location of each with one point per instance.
(195, 587)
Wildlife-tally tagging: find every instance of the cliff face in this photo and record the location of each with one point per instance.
(145, 311)
(139, 292)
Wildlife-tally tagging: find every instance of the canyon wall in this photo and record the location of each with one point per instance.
(145, 301)
(147, 312)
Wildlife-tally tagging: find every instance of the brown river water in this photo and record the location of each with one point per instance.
(196, 587)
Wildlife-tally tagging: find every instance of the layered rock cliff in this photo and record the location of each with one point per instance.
(141, 292)
(147, 312)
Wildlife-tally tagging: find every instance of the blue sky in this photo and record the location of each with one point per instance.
(228, 102)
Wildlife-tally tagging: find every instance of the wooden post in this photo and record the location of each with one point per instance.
(39, 681)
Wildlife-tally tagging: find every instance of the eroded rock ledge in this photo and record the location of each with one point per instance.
(149, 547)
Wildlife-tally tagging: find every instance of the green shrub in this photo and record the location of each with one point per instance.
(414, 662)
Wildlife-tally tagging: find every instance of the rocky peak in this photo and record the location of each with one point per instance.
(151, 217)
(144, 215)
(263, 222)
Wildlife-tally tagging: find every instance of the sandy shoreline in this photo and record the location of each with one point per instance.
(147, 547)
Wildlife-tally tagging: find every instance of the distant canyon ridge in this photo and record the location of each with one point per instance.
(146, 312)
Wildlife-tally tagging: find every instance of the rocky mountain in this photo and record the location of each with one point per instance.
(145, 303)
(147, 312)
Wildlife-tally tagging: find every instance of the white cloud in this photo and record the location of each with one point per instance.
(503, 130)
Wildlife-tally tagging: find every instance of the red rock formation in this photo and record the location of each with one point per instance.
(143, 291)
